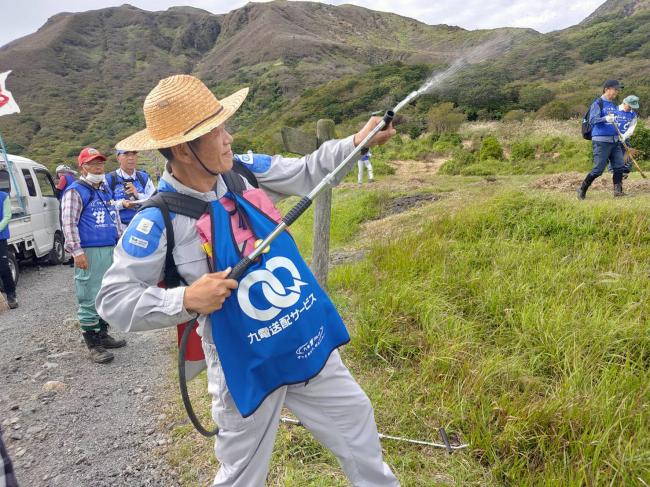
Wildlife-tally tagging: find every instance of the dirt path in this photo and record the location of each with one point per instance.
(100, 428)
(409, 174)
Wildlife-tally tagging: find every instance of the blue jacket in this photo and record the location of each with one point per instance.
(97, 227)
(602, 131)
(4, 234)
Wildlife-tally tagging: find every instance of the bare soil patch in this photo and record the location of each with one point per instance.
(570, 181)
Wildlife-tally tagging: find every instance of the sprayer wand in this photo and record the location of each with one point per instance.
(307, 200)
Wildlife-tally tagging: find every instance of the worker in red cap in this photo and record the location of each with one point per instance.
(91, 226)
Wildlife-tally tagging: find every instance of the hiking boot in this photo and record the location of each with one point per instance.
(106, 340)
(98, 354)
(11, 301)
(582, 190)
(618, 190)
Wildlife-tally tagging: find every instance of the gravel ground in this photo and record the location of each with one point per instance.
(97, 425)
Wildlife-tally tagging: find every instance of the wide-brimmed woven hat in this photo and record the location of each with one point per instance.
(180, 109)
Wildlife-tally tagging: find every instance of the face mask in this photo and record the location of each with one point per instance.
(95, 178)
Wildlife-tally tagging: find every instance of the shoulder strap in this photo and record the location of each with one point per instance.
(234, 182)
(242, 170)
(112, 182)
(140, 175)
(181, 204)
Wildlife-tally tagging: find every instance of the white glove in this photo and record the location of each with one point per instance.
(610, 117)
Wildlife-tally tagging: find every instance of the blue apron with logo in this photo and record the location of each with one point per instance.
(278, 327)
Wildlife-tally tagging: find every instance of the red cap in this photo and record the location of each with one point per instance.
(89, 154)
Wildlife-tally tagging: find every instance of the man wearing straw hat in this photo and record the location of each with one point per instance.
(185, 122)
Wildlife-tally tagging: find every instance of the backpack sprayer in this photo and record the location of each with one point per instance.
(293, 214)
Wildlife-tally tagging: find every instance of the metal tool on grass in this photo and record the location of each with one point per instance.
(443, 435)
(628, 151)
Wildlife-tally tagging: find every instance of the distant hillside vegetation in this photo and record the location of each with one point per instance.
(81, 79)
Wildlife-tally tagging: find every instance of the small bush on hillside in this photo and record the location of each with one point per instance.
(534, 97)
(556, 109)
(491, 149)
(460, 159)
(522, 151)
(444, 118)
(514, 116)
(641, 141)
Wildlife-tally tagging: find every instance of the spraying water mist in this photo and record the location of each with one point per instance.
(474, 55)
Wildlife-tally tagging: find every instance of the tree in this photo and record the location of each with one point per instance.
(444, 118)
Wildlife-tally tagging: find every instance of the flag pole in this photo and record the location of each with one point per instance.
(19, 195)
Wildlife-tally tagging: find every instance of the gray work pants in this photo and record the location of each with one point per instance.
(332, 406)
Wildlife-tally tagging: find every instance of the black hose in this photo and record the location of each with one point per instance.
(182, 383)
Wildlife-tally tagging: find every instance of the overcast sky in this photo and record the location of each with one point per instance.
(22, 17)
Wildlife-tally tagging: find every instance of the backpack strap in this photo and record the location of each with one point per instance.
(242, 170)
(111, 179)
(143, 178)
(181, 204)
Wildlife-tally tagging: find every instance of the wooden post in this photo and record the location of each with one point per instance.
(322, 215)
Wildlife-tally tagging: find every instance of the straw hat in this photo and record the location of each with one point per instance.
(180, 109)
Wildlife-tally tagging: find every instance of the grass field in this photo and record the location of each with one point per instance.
(516, 318)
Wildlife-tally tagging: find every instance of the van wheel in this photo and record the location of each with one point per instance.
(57, 254)
(13, 265)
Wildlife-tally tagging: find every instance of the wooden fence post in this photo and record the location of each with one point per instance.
(322, 215)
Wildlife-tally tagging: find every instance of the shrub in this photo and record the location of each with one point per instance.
(641, 140)
(534, 97)
(461, 158)
(491, 149)
(444, 118)
(556, 109)
(514, 116)
(522, 151)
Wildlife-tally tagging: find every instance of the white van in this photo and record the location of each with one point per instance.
(35, 227)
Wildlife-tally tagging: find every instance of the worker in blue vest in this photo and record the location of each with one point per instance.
(604, 139)
(66, 177)
(91, 227)
(626, 119)
(5, 271)
(129, 187)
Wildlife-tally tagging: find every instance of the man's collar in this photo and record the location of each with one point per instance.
(123, 174)
(181, 188)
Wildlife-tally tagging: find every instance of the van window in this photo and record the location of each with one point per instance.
(5, 182)
(29, 182)
(45, 183)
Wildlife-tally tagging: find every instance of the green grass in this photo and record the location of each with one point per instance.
(520, 322)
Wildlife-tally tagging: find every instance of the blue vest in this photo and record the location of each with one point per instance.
(126, 214)
(4, 234)
(97, 226)
(605, 129)
(278, 327)
(623, 119)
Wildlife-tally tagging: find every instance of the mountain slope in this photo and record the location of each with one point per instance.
(82, 77)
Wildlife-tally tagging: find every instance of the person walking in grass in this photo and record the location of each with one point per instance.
(364, 162)
(242, 333)
(5, 270)
(604, 139)
(91, 228)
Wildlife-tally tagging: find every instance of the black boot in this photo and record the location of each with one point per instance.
(108, 341)
(582, 191)
(98, 354)
(618, 190)
(617, 179)
(11, 301)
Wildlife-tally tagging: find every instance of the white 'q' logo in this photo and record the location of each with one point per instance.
(275, 293)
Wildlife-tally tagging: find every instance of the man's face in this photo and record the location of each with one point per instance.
(214, 149)
(128, 161)
(96, 166)
(611, 93)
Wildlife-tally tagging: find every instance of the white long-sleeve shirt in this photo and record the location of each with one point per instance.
(130, 298)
